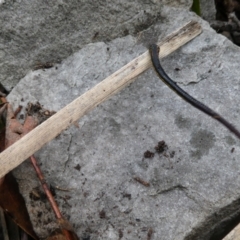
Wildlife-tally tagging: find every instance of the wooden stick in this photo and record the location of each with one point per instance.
(48, 130)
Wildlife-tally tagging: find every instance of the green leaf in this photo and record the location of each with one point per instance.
(196, 7)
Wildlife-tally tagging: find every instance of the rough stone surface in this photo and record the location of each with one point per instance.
(45, 31)
(208, 10)
(194, 183)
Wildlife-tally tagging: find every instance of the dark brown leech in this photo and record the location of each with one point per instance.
(154, 50)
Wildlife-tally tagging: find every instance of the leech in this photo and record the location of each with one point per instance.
(154, 50)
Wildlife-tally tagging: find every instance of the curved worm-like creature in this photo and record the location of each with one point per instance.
(154, 51)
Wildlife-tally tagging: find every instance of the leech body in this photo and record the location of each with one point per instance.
(154, 50)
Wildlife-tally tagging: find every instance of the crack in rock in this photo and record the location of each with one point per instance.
(68, 148)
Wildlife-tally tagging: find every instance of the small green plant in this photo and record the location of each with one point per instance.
(196, 7)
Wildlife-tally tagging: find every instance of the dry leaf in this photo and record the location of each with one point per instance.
(11, 199)
(13, 204)
(58, 235)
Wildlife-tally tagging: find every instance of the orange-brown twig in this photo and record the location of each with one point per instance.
(64, 224)
(45, 187)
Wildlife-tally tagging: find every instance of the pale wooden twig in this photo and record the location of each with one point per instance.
(38, 137)
(234, 234)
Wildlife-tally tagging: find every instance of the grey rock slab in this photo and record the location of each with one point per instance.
(39, 32)
(194, 184)
(208, 10)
